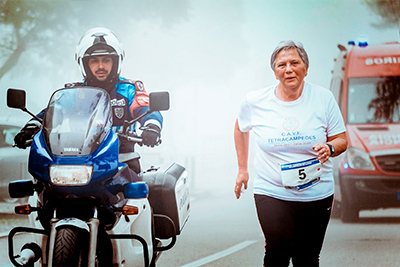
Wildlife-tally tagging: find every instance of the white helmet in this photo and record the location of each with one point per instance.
(96, 42)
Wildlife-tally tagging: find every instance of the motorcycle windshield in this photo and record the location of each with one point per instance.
(77, 120)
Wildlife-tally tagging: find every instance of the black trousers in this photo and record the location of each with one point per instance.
(293, 230)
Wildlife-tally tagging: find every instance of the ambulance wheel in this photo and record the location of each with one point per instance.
(349, 212)
(336, 212)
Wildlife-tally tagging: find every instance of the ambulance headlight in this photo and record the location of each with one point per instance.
(359, 160)
(70, 175)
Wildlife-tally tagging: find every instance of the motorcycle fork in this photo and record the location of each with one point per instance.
(94, 228)
(52, 241)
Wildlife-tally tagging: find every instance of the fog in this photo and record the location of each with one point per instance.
(207, 54)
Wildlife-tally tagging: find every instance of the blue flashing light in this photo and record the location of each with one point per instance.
(136, 190)
(346, 166)
(352, 43)
(363, 44)
(363, 41)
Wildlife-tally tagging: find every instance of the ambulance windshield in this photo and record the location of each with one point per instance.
(374, 100)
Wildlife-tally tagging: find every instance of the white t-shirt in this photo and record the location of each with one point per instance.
(285, 132)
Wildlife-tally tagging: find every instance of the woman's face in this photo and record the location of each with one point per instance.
(290, 69)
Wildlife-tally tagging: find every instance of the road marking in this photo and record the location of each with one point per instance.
(4, 234)
(220, 254)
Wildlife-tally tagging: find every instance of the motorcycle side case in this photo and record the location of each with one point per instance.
(168, 196)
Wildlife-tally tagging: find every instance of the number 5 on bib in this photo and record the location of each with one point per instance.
(296, 174)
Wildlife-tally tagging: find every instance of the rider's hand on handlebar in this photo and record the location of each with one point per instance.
(26, 134)
(150, 135)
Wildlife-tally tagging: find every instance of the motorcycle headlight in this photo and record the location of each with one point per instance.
(359, 160)
(70, 175)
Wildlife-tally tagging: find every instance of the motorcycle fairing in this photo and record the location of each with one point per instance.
(104, 160)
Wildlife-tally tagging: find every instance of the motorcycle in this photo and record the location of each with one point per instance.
(86, 208)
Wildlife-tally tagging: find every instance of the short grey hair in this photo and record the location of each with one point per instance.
(287, 45)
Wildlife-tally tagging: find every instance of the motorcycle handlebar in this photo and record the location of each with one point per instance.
(136, 139)
(129, 136)
(132, 137)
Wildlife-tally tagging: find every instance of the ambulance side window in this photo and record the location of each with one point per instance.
(336, 88)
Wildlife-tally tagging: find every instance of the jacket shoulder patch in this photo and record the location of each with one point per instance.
(139, 85)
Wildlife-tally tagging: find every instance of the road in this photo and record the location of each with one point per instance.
(223, 231)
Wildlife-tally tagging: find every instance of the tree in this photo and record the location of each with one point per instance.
(44, 27)
(388, 10)
(386, 105)
(27, 24)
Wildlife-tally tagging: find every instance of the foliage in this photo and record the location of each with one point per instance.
(45, 27)
(386, 105)
(28, 24)
(388, 10)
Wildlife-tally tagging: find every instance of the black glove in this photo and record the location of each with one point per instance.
(26, 133)
(150, 135)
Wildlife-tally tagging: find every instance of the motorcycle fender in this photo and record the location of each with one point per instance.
(73, 222)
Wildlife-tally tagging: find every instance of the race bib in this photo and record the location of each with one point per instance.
(301, 174)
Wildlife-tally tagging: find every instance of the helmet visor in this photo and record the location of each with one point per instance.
(100, 50)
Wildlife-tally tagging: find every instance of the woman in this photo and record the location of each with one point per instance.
(298, 127)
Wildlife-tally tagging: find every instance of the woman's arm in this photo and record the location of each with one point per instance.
(242, 152)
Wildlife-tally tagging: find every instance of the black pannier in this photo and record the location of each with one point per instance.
(168, 196)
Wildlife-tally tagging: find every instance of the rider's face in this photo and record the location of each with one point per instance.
(100, 66)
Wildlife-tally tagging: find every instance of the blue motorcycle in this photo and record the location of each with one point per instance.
(86, 208)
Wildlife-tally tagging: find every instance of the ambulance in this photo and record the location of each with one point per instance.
(366, 85)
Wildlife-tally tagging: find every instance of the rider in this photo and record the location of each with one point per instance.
(99, 55)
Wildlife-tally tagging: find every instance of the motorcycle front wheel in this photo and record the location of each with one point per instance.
(68, 248)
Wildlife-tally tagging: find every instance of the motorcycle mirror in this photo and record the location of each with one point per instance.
(16, 98)
(159, 101)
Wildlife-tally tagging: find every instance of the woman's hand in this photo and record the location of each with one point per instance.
(323, 152)
(338, 141)
(241, 180)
